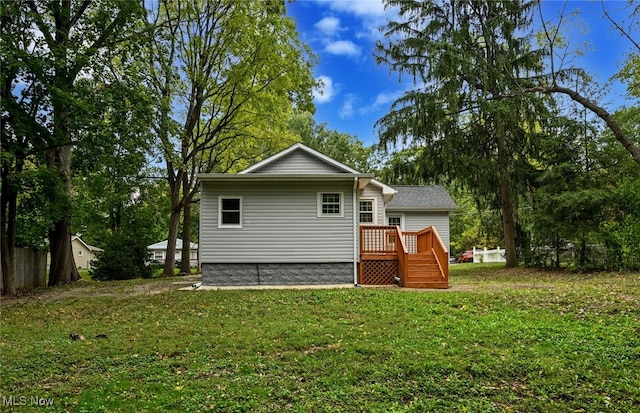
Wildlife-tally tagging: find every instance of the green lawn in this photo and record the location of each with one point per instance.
(498, 340)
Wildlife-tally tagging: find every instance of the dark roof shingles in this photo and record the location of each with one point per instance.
(432, 197)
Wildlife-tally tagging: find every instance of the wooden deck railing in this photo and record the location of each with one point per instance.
(428, 240)
(401, 250)
(377, 239)
(411, 242)
(378, 243)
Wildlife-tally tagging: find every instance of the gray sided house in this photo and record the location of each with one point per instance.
(296, 218)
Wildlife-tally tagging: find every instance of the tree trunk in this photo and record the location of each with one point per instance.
(174, 222)
(508, 224)
(8, 234)
(62, 269)
(185, 265)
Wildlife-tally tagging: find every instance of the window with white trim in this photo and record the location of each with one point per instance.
(230, 211)
(394, 220)
(330, 204)
(366, 211)
(80, 253)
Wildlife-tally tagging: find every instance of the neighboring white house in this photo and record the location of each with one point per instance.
(294, 218)
(159, 252)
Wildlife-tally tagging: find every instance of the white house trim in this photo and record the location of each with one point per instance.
(295, 147)
(374, 210)
(321, 202)
(220, 223)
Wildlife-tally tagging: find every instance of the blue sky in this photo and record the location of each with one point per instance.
(357, 92)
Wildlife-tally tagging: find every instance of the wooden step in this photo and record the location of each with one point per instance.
(426, 284)
(422, 258)
(424, 272)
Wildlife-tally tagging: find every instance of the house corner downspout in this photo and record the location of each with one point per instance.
(355, 231)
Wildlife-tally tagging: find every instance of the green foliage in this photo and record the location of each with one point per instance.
(225, 75)
(622, 234)
(124, 257)
(630, 72)
(473, 226)
(585, 201)
(499, 340)
(47, 48)
(466, 58)
(342, 147)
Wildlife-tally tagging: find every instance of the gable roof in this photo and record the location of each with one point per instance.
(87, 246)
(305, 149)
(162, 245)
(296, 163)
(421, 198)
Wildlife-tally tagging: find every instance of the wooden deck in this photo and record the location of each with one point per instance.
(410, 259)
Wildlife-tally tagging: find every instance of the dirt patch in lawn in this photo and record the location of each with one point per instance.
(98, 289)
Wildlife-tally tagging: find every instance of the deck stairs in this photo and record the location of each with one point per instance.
(389, 255)
(424, 272)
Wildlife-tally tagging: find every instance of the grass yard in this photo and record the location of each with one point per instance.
(498, 340)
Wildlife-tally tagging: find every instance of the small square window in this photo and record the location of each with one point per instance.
(330, 204)
(79, 253)
(230, 212)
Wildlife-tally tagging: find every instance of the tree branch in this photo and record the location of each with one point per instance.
(587, 104)
(617, 26)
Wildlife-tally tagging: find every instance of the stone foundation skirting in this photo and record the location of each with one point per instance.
(276, 274)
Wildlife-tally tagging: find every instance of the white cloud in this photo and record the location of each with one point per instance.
(383, 100)
(371, 15)
(357, 7)
(343, 47)
(346, 111)
(325, 92)
(328, 25)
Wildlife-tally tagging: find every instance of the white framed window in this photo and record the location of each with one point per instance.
(229, 211)
(395, 220)
(80, 253)
(158, 255)
(330, 204)
(367, 211)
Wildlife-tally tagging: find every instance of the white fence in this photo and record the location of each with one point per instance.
(485, 255)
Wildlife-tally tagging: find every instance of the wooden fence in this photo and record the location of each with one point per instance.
(31, 269)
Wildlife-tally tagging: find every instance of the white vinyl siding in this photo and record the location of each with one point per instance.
(280, 224)
(298, 162)
(415, 221)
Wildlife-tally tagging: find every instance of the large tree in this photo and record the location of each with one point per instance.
(464, 56)
(226, 75)
(60, 42)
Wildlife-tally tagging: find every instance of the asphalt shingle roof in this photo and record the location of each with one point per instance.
(424, 198)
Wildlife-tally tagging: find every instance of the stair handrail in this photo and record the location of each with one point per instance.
(401, 250)
(429, 241)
